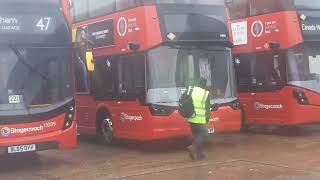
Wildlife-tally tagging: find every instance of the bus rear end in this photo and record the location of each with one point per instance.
(36, 77)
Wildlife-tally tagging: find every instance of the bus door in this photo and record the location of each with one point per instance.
(130, 112)
(86, 106)
(261, 78)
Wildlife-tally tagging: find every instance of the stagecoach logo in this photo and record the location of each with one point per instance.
(5, 132)
(257, 28)
(122, 26)
(126, 117)
(259, 106)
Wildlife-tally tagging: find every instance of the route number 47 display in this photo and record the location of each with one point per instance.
(44, 23)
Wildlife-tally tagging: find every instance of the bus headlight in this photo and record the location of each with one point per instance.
(214, 107)
(301, 97)
(235, 105)
(158, 110)
(69, 117)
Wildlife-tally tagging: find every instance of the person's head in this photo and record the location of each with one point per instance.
(202, 82)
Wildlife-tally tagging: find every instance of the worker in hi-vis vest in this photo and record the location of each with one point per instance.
(198, 122)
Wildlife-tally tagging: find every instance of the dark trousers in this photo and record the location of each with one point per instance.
(200, 134)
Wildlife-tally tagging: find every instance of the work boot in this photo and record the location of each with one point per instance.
(192, 154)
(200, 156)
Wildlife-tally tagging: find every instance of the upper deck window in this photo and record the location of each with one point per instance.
(47, 2)
(80, 10)
(239, 9)
(205, 2)
(101, 7)
(246, 8)
(125, 4)
(307, 4)
(87, 9)
(258, 7)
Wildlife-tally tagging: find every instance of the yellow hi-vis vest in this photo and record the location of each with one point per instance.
(199, 98)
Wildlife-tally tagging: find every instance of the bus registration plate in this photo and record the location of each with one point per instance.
(14, 99)
(22, 148)
(211, 130)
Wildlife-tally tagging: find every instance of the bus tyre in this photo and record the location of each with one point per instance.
(105, 131)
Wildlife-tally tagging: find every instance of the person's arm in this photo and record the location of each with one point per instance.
(208, 111)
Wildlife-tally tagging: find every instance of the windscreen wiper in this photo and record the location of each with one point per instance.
(23, 61)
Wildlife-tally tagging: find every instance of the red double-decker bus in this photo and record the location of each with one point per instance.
(137, 58)
(277, 60)
(36, 77)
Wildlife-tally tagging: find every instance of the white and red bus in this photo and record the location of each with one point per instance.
(36, 76)
(277, 60)
(140, 56)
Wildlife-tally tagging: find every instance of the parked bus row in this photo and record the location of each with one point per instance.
(117, 69)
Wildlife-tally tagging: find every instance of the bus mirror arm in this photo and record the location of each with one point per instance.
(77, 44)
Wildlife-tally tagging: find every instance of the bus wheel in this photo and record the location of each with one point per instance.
(106, 131)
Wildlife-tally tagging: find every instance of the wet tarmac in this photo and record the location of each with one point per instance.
(261, 153)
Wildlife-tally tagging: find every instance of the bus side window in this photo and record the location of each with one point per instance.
(131, 75)
(243, 72)
(104, 79)
(269, 71)
(81, 76)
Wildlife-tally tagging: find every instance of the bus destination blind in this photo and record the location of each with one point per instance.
(27, 24)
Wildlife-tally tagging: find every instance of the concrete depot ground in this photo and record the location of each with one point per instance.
(262, 153)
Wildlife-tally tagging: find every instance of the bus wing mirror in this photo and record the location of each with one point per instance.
(89, 60)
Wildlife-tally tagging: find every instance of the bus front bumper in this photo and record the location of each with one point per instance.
(61, 139)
